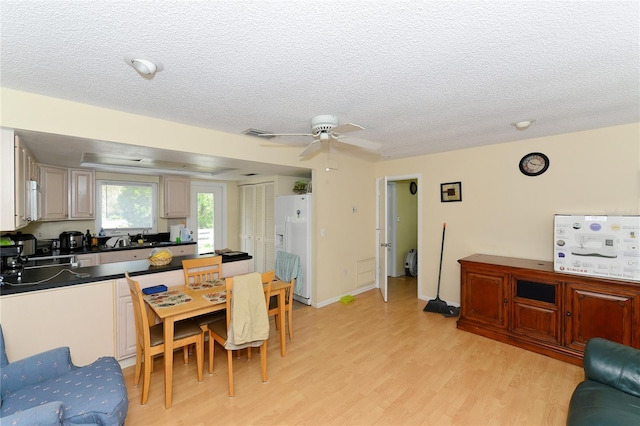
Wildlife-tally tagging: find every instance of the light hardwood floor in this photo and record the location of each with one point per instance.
(369, 363)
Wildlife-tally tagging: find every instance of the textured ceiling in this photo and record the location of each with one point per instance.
(420, 77)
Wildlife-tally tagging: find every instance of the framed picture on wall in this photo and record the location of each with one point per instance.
(450, 191)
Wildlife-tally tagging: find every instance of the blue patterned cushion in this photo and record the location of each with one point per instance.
(35, 369)
(95, 394)
(43, 415)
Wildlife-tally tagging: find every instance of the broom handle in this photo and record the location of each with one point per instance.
(444, 228)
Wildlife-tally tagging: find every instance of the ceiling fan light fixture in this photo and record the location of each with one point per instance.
(523, 124)
(145, 66)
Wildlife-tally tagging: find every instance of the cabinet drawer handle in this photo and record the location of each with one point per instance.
(505, 301)
(568, 314)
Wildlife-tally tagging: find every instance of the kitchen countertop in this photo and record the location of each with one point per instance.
(61, 276)
(104, 249)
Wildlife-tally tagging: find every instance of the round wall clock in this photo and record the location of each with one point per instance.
(534, 164)
(413, 187)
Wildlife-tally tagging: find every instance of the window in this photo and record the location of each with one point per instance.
(126, 207)
(208, 215)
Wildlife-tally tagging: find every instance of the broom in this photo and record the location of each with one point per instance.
(438, 305)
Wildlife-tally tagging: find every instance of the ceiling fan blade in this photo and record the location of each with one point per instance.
(346, 128)
(313, 148)
(361, 143)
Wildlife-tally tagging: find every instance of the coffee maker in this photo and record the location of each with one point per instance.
(12, 261)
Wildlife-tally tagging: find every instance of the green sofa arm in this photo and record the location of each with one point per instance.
(613, 364)
(610, 392)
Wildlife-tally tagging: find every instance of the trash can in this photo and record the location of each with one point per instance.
(411, 263)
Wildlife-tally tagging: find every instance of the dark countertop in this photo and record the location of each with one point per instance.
(62, 276)
(104, 249)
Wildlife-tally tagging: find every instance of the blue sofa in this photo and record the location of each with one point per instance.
(47, 389)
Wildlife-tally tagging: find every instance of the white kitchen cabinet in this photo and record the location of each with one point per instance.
(257, 224)
(34, 169)
(239, 267)
(21, 164)
(124, 255)
(143, 253)
(175, 201)
(125, 321)
(89, 259)
(54, 184)
(18, 165)
(67, 194)
(82, 194)
(184, 250)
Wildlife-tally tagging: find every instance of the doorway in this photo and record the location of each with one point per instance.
(208, 218)
(398, 228)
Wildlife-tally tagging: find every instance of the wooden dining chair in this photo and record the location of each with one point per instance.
(274, 309)
(150, 339)
(218, 330)
(201, 270)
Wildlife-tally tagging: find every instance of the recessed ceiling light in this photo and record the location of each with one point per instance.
(145, 66)
(522, 125)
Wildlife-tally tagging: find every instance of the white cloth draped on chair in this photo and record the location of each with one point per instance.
(249, 324)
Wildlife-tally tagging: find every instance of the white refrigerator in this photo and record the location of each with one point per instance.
(293, 235)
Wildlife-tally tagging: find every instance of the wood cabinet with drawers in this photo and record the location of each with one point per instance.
(525, 303)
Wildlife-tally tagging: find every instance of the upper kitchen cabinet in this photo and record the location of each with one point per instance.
(16, 171)
(67, 193)
(54, 184)
(175, 196)
(82, 194)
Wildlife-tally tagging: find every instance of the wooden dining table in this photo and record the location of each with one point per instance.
(200, 305)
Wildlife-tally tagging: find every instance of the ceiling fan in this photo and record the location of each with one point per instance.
(326, 132)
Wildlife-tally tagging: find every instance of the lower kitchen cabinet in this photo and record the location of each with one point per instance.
(125, 320)
(143, 253)
(525, 303)
(91, 259)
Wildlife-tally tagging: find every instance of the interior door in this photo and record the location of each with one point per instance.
(383, 245)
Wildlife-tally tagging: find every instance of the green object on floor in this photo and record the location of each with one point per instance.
(347, 299)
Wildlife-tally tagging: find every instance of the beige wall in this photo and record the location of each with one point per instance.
(506, 213)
